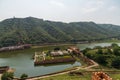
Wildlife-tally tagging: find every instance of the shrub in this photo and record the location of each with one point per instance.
(7, 76)
(23, 76)
(116, 63)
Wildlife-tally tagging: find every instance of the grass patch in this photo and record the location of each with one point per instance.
(68, 77)
(86, 76)
(115, 76)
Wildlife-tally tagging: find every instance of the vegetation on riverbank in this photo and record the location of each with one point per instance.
(107, 56)
(7, 76)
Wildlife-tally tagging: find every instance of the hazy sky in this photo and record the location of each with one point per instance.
(99, 11)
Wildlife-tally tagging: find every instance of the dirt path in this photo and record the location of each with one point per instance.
(0, 76)
(94, 65)
(77, 68)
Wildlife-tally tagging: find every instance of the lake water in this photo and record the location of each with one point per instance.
(23, 63)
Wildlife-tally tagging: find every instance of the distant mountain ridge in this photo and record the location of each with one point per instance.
(33, 30)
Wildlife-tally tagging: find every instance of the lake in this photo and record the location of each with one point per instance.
(23, 63)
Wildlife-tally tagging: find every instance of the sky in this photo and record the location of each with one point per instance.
(99, 11)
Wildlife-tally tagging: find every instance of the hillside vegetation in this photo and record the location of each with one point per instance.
(36, 31)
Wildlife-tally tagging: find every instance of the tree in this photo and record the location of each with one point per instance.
(102, 59)
(114, 45)
(109, 51)
(116, 51)
(48, 53)
(116, 62)
(56, 49)
(86, 50)
(7, 76)
(100, 51)
(23, 76)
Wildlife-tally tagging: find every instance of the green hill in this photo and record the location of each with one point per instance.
(36, 31)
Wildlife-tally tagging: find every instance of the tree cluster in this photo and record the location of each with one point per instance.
(109, 56)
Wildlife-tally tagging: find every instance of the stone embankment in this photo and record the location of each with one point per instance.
(55, 61)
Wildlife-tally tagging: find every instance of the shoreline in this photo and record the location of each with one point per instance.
(64, 72)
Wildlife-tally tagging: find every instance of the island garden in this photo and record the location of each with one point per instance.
(56, 56)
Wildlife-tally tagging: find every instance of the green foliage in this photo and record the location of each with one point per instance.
(100, 51)
(109, 51)
(114, 45)
(48, 53)
(116, 51)
(116, 62)
(87, 76)
(7, 76)
(57, 48)
(23, 76)
(106, 56)
(37, 31)
(102, 59)
(91, 56)
(86, 50)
